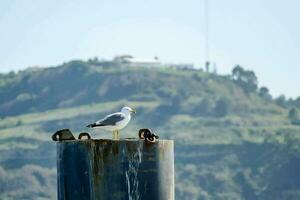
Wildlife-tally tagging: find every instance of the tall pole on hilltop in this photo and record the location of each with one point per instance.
(206, 13)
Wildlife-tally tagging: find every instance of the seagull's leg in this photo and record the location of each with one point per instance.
(118, 134)
(114, 135)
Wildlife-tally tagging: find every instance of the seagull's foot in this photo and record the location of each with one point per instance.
(114, 135)
(118, 135)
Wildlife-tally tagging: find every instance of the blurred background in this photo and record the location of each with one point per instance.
(221, 78)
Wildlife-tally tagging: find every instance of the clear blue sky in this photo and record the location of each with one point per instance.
(261, 35)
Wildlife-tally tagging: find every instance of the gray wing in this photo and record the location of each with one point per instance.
(111, 119)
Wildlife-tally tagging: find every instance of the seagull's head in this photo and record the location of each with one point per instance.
(127, 110)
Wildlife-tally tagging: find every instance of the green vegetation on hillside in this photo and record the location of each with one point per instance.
(233, 139)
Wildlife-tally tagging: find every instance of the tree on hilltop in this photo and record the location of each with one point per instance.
(246, 79)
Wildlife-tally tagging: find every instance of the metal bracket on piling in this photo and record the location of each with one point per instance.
(148, 135)
(64, 134)
(83, 135)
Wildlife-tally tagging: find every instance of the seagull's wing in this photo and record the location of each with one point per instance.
(109, 120)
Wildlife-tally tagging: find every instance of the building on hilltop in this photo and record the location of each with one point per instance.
(130, 61)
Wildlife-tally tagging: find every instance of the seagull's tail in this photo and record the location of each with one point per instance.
(91, 125)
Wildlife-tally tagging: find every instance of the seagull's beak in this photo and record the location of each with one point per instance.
(133, 111)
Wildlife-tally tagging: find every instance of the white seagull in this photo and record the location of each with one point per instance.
(114, 122)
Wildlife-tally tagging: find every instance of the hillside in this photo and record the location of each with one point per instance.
(78, 83)
(233, 140)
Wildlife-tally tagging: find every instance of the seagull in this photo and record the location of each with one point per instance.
(114, 122)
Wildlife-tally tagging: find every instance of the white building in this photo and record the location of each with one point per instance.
(131, 61)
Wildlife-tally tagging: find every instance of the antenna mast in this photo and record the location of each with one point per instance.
(206, 12)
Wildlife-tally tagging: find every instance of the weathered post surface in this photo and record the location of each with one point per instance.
(128, 169)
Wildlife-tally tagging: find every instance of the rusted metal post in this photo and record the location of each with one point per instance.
(128, 169)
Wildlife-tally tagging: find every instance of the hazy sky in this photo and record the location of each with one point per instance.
(261, 35)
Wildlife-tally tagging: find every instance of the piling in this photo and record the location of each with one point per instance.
(127, 169)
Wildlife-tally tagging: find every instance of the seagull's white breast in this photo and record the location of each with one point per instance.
(121, 124)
